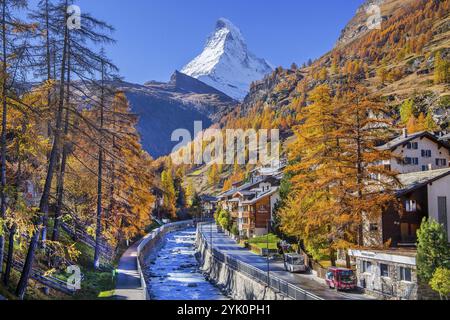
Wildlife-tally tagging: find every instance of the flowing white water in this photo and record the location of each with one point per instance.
(174, 273)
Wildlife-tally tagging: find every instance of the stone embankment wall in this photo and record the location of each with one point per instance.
(235, 284)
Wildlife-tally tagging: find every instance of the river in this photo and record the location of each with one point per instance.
(174, 273)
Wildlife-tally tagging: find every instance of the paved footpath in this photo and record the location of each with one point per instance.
(128, 286)
(308, 282)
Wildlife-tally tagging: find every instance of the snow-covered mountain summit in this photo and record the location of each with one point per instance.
(226, 63)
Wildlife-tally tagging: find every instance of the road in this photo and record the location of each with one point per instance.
(308, 282)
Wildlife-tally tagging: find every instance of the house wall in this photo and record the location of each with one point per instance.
(393, 218)
(391, 287)
(262, 213)
(274, 199)
(372, 231)
(424, 144)
(439, 188)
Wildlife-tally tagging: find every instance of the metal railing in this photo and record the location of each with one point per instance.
(262, 276)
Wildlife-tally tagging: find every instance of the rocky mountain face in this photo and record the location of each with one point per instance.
(226, 63)
(397, 62)
(165, 107)
(358, 25)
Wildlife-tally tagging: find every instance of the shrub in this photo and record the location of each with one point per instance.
(432, 249)
(441, 282)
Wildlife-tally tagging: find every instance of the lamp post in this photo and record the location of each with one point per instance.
(267, 255)
(211, 241)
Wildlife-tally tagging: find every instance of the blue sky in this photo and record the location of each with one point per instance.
(156, 37)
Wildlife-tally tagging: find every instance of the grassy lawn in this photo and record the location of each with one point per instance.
(261, 242)
(273, 239)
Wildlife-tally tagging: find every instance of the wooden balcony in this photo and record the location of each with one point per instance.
(248, 226)
(245, 214)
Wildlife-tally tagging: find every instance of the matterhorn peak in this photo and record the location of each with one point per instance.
(226, 63)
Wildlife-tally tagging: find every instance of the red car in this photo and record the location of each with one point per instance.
(341, 279)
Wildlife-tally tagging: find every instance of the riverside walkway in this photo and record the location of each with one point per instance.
(129, 286)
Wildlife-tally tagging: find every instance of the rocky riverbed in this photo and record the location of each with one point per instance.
(173, 272)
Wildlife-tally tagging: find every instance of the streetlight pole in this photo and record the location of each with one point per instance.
(211, 240)
(267, 254)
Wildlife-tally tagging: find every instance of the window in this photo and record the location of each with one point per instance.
(412, 145)
(366, 267)
(384, 270)
(405, 274)
(441, 162)
(425, 168)
(409, 161)
(411, 205)
(374, 227)
(426, 153)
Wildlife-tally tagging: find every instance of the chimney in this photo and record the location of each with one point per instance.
(405, 133)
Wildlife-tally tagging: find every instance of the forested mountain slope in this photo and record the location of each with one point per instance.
(400, 62)
(165, 107)
(407, 60)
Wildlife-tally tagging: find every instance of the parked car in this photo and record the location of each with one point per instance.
(341, 279)
(294, 262)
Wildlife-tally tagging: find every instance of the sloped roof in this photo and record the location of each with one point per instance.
(402, 140)
(245, 186)
(416, 180)
(262, 196)
(208, 198)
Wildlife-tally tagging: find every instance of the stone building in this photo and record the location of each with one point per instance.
(387, 274)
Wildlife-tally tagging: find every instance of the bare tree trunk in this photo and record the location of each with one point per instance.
(9, 258)
(44, 204)
(3, 138)
(113, 167)
(65, 154)
(98, 231)
(49, 69)
(13, 229)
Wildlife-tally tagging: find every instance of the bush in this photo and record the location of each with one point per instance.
(224, 220)
(441, 282)
(432, 249)
(235, 230)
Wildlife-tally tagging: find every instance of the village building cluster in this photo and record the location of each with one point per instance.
(422, 162)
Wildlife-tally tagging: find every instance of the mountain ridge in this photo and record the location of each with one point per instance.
(226, 63)
(164, 107)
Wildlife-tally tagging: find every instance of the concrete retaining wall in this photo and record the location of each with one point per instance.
(151, 241)
(237, 285)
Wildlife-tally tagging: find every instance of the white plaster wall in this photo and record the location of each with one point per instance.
(273, 201)
(260, 232)
(424, 144)
(439, 188)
